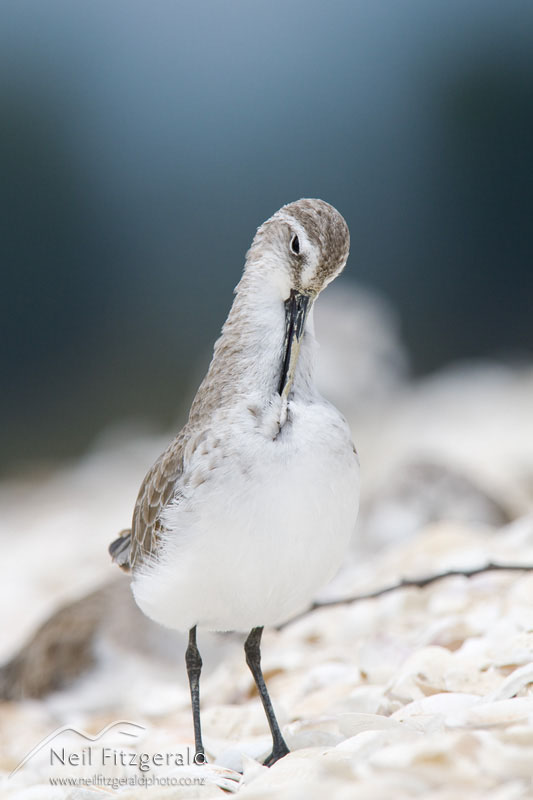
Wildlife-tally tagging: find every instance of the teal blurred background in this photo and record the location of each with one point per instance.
(142, 143)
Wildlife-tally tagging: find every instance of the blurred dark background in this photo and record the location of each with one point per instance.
(141, 144)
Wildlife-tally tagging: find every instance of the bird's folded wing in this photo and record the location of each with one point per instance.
(155, 493)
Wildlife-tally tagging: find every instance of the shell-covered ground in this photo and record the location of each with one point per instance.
(420, 692)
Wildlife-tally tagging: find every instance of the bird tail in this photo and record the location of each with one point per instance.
(120, 549)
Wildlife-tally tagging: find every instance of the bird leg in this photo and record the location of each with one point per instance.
(194, 667)
(252, 648)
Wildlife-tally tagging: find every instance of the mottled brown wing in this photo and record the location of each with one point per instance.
(156, 491)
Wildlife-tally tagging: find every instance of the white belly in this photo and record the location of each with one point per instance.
(270, 525)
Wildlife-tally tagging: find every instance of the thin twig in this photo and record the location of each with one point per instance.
(418, 583)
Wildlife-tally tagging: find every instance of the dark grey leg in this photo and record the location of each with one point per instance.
(194, 667)
(252, 648)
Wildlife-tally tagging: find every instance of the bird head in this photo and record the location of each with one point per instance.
(298, 251)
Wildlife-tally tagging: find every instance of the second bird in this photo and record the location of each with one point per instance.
(250, 509)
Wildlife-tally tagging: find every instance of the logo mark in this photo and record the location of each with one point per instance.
(125, 727)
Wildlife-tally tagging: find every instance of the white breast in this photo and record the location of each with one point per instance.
(268, 526)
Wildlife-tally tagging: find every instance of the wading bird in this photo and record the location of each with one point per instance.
(250, 509)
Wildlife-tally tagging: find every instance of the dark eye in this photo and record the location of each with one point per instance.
(295, 245)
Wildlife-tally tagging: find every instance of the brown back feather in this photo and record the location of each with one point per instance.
(155, 493)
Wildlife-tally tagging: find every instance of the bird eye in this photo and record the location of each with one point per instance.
(295, 245)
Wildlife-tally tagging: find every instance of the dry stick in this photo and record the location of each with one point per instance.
(418, 583)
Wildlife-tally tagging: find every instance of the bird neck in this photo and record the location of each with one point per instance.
(248, 357)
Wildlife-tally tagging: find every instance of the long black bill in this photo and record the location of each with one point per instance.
(296, 309)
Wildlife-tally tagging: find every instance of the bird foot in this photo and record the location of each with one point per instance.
(278, 752)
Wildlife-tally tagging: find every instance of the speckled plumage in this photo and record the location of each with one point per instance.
(240, 430)
(328, 231)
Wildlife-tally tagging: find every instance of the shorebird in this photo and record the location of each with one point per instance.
(250, 509)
